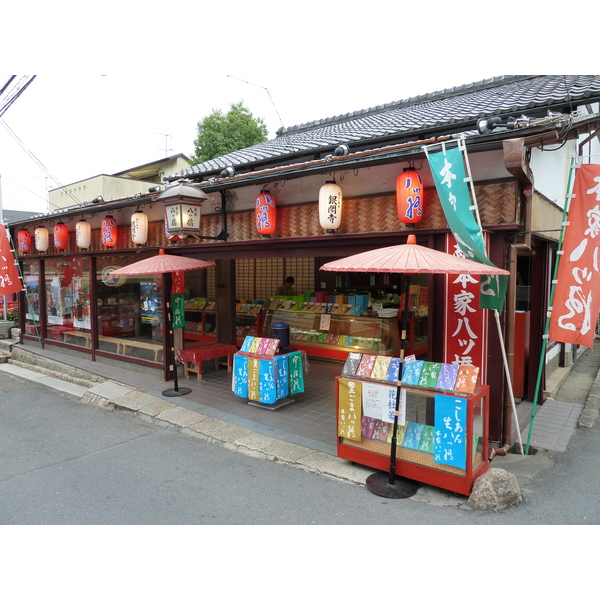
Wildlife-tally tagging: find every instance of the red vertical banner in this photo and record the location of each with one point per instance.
(10, 283)
(465, 324)
(178, 279)
(577, 289)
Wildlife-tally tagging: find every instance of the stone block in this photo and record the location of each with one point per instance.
(495, 490)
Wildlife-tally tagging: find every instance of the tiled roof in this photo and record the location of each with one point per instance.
(449, 110)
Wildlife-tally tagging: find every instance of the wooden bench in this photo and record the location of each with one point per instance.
(194, 357)
(126, 345)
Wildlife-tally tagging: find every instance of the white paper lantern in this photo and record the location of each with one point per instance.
(139, 228)
(41, 239)
(83, 234)
(330, 206)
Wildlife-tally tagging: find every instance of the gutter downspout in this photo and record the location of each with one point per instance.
(517, 165)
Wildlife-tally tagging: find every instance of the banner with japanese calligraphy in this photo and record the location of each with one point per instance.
(450, 438)
(577, 290)
(10, 283)
(465, 324)
(349, 409)
(448, 171)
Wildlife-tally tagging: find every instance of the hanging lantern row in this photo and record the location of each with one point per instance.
(409, 197)
(265, 213)
(330, 206)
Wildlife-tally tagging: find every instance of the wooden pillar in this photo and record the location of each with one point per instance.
(225, 292)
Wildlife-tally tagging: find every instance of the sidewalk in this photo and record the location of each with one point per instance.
(300, 434)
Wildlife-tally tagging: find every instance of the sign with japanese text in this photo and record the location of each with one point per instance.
(178, 311)
(450, 437)
(178, 282)
(379, 402)
(448, 171)
(577, 292)
(465, 324)
(349, 409)
(10, 283)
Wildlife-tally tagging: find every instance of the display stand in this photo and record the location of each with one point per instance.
(442, 438)
(266, 377)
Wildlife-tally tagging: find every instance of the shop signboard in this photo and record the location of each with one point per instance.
(465, 324)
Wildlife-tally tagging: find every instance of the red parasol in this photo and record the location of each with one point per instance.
(162, 263)
(165, 263)
(410, 259)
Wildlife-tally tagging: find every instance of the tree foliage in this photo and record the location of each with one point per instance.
(219, 133)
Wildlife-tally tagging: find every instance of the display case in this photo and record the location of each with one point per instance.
(442, 436)
(200, 320)
(320, 331)
(248, 319)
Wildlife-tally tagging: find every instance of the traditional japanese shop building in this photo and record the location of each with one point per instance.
(320, 191)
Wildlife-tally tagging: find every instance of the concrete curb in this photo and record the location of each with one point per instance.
(591, 410)
(111, 395)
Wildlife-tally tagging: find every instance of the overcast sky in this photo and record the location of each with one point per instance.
(133, 90)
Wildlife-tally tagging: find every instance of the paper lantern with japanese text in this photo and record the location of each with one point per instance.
(265, 212)
(168, 234)
(24, 240)
(409, 197)
(61, 236)
(41, 239)
(83, 234)
(330, 206)
(109, 231)
(139, 228)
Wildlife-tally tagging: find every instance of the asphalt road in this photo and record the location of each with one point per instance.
(69, 463)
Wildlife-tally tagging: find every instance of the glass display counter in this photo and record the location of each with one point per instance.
(332, 335)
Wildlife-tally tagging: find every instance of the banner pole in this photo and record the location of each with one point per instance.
(509, 384)
(24, 287)
(550, 301)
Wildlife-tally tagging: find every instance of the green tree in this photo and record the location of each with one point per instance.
(219, 133)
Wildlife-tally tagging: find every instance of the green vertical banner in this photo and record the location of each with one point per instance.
(178, 311)
(448, 170)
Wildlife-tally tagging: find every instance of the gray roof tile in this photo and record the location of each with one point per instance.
(452, 109)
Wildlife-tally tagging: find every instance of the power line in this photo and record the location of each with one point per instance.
(37, 161)
(16, 92)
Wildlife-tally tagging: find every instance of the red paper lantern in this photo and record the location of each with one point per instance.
(409, 196)
(265, 212)
(61, 236)
(109, 231)
(24, 238)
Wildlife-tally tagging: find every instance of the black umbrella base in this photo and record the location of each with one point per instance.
(180, 392)
(379, 483)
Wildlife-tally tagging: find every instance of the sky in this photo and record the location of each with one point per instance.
(127, 83)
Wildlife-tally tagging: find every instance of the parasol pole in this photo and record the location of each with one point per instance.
(387, 484)
(176, 391)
